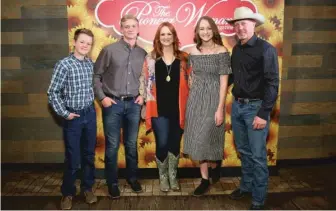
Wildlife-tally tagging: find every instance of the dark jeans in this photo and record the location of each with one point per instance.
(80, 142)
(168, 134)
(251, 144)
(126, 115)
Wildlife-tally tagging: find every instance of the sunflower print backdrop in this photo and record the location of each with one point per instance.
(81, 15)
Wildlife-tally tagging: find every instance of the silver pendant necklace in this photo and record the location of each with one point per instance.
(168, 71)
(168, 78)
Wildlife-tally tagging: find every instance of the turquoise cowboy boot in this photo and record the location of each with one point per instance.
(163, 173)
(172, 171)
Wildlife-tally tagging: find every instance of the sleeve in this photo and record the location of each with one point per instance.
(188, 67)
(54, 92)
(224, 64)
(189, 61)
(100, 66)
(231, 76)
(271, 78)
(143, 80)
(189, 71)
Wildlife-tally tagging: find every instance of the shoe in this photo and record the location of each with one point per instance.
(163, 174)
(114, 191)
(136, 187)
(66, 202)
(172, 171)
(202, 188)
(216, 172)
(90, 198)
(256, 207)
(238, 194)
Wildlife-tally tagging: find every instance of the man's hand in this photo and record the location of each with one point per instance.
(72, 116)
(139, 100)
(107, 102)
(259, 123)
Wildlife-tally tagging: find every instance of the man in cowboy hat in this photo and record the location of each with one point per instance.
(255, 77)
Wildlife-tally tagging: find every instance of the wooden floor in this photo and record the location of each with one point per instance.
(295, 188)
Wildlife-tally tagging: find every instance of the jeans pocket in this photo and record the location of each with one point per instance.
(137, 106)
(255, 105)
(110, 106)
(136, 103)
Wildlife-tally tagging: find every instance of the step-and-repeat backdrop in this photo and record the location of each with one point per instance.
(103, 18)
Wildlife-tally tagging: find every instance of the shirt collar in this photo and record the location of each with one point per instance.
(75, 58)
(251, 41)
(127, 44)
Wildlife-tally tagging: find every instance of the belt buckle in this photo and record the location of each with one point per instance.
(243, 100)
(122, 98)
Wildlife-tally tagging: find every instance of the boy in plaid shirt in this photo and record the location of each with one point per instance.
(71, 96)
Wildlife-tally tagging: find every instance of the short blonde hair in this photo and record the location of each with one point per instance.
(128, 17)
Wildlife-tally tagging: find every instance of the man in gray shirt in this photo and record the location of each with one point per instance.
(116, 84)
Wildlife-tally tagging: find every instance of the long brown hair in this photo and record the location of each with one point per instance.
(157, 50)
(216, 36)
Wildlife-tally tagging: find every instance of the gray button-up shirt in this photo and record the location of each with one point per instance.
(118, 69)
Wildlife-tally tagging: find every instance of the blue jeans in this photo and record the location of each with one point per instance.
(251, 144)
(126, 115)
(168, 134)
(80, 143)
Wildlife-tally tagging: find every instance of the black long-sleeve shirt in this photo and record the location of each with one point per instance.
(255, 71)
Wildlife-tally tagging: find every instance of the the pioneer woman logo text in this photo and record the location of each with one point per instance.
(183, 15)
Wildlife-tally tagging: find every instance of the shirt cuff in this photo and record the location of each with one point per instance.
(263, 114)
(65, 114)
(100, 95)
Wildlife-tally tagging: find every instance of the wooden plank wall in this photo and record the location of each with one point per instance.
(308, 96)
(34, 36)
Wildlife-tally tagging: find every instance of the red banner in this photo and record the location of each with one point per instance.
(183, 14)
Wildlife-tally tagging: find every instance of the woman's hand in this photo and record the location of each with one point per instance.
(219, 117)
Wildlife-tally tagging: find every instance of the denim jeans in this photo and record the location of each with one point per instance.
(251, 144)
(80, 143)
(126, 115)
(168, 134)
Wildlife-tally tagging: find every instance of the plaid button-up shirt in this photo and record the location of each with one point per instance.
(71, 85)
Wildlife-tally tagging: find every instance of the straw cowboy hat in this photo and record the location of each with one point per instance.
(242, 13)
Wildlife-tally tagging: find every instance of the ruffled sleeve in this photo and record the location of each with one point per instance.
(224, 64)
